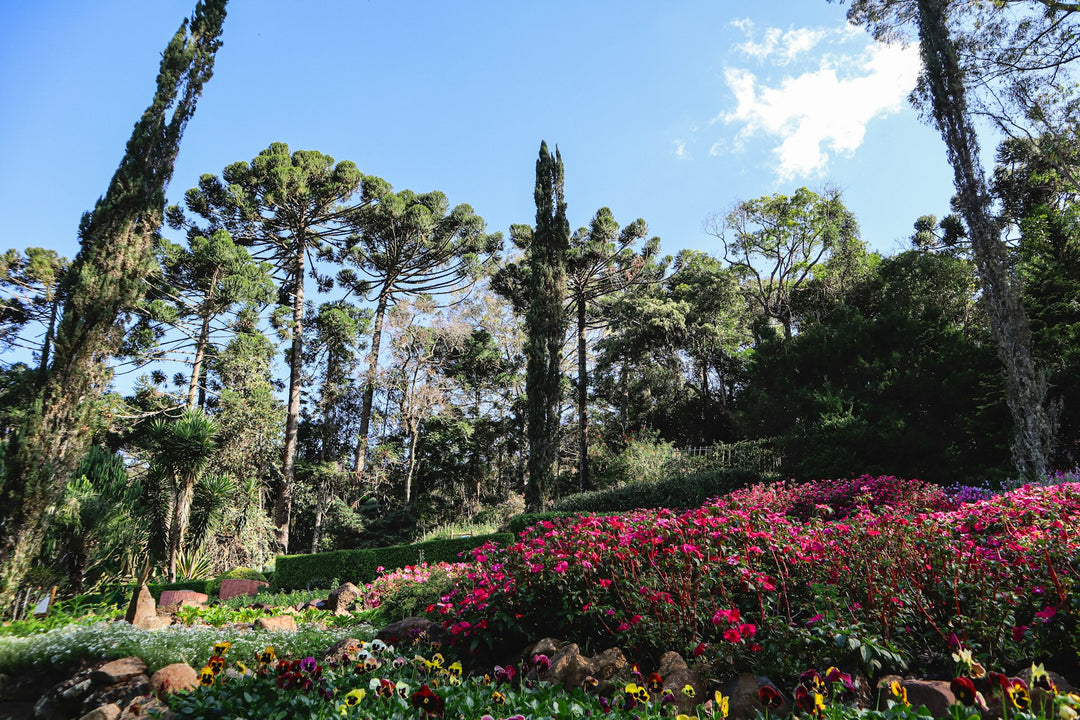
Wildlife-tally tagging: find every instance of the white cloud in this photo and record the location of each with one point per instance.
(681, 151)
(783, 46)
(823, 111)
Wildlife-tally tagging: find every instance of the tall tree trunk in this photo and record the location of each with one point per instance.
(283, 506)
(200, 347)
(369, 391)
(1025, 386)
(414, 440)
(105, 281)
(178, 527)
(322, 503)
(582, 400)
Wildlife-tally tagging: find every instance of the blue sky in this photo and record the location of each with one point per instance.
(666, 111)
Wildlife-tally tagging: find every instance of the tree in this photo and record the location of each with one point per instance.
(196, 287)
(409, 245)
(942, 86)
(545, 322)
(105, 281)
(289, 206)
(777, 241)
(338, 335)
(29, 286)
(601, 262)
(181, 450)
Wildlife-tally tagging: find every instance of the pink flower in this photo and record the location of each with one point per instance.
(1018, 632)
(732, 616)
(732, 635)
(561, 566)
(1046, 613)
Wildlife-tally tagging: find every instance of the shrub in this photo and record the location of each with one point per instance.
(676, 491)
(240, 573)
(409, 591)
(742, 586)
(363, 565)
(524, 521)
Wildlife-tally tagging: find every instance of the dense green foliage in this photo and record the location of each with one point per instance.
(362, 566)
(677, 491)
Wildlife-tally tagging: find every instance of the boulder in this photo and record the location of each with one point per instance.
(122, 693)
(677, 677)
(105, 712)
(344, 649)
(744, 698)
(412, 630)
(278, 623)
(118, 671)
(148, 707)
(569, 668)
(934, 695)
(173, 678)
(340, 599)
(142, 610)
(234, 587)
(178, 598)
(546, 646)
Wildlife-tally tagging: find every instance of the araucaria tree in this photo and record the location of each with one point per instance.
(601, 261)
(545, 321)
(410, 245)
(105, 282)
(289, 207)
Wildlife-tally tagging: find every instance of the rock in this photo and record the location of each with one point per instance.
(412, 630)
(677, 676)
(178, 598)
(934, 695)
(278, 623)
(570, 668)
(147, 707)
(547, 646)
(119, 671)
(122, 693)
(142, 610)
(105, 712)
(744, 699)
(340, 599)
(341, 649)
(173, 678)
(235, 587)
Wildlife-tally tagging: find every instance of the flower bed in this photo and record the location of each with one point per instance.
(877, 584)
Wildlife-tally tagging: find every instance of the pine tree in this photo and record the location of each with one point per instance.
(546, 323)
(106, 280)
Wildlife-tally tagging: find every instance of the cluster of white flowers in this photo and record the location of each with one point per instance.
(157, 648)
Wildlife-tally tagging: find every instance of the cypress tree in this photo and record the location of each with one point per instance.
(546, 324)
(106, 281)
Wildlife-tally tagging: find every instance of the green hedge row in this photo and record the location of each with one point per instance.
(675, 492)
(194, 585)
(294, 572)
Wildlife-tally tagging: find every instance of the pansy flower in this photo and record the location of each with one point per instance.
(353, 697)
(425, 699)
(770, 697)
(266, 657)
(222, 647)
(206, 676)
(964, 690)
(654, 683)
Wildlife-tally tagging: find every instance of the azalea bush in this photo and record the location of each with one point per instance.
(884, 579)
(406, 592)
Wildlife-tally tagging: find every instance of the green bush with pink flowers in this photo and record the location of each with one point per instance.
(876, 574)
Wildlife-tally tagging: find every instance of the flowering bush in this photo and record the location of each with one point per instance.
(887, 576)
(390, 583)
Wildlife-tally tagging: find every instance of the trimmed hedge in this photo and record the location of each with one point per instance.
(294, 572)
(675, 492)
(194, 585)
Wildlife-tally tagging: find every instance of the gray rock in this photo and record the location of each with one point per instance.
(410, 631)
(935, 695)
(142, 610)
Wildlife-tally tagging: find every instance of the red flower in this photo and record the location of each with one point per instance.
(770, 697)
(426, 700)
(964, 690)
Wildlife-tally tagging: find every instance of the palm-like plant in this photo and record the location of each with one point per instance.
(181, 450)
